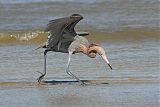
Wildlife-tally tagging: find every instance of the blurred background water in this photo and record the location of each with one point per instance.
(98, 14)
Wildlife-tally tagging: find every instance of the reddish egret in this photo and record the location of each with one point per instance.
(63, 38)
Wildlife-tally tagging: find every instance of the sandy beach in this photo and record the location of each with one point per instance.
(98, 93)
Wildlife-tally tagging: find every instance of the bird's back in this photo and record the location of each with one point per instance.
(77, 41)
(82, 40)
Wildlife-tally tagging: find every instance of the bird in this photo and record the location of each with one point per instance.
(63, 38)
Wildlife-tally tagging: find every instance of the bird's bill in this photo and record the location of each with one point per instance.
(110, 66)
(101, 52)
(106, 60)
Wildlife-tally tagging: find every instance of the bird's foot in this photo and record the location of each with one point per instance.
(39, 79)
(83, 83)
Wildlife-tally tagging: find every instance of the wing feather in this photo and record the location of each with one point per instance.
(57, 27)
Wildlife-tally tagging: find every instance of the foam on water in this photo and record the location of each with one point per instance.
(39, 36)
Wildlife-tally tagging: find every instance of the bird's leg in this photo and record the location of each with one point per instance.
(68, 71)
(43, 74)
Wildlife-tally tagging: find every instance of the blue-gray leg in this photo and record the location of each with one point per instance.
(68, 71)
(43, 74)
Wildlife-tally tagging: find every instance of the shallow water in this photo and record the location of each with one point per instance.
(136, 59)
(134, 80)
(127, 30)
(113, 95)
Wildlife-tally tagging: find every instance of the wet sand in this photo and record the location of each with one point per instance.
(98, 93)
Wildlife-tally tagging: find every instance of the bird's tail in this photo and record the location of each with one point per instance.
(43, 45)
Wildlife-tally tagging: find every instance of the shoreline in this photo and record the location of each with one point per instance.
(110, 81)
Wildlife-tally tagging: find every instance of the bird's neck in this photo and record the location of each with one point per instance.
(83, 49)
(86, 50)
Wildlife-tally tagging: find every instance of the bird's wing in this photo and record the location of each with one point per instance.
(54, 23)
(58, 27)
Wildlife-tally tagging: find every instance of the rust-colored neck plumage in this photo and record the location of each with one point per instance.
(90, 51)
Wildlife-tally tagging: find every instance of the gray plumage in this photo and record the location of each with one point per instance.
(62, 33)
(63, 38)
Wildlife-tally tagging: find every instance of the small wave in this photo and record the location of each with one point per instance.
(22, 36)
(39, 36)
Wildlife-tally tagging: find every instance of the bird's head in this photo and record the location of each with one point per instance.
(94, 49)
(76, 16)
(92, 54)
